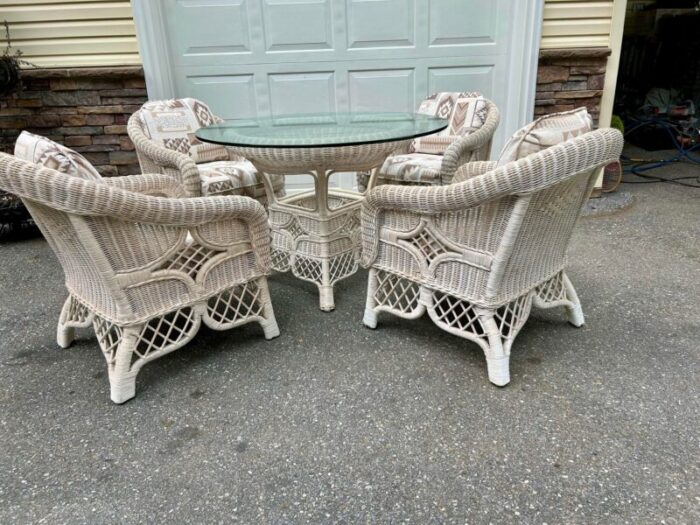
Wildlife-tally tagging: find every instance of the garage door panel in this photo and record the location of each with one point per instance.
(199, 29)
(357, 86)
(381, 23)
(310, 92)
(297, 25)
(462, 22)
(382, 90)
(231, 96)
(236, 32)
(461, 78)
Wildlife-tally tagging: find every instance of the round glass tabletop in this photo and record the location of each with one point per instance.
(321, 130)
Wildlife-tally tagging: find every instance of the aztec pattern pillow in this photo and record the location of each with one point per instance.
(173, 123)
(466, 112)
(413, 167)
(235, 178)
(50, 154)
(545, 132)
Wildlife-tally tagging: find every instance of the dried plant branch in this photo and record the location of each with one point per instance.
(10, 53)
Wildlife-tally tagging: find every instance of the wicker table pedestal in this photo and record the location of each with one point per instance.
(315, 234)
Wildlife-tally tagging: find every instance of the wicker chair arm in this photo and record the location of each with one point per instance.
(527, 175)
(473, 169)
(87, 197)
(165, 157)
(471, 147)
(155, 184)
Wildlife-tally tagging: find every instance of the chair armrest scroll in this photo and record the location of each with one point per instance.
(472, 147)
(165, 157)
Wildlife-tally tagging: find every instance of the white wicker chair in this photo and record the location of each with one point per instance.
(476, 254)
(433, 160)
(143, 268)
(163, 134)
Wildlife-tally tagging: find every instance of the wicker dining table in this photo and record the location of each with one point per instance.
(315, 233)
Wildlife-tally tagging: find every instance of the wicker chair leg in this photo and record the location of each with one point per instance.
(370, 317)
(122, 376)
(65, 333)
(559, 291)
(73, 315)
(573, 310)
(269, 322)
(497, 357)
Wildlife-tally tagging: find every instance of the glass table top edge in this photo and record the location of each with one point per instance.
(428, 126)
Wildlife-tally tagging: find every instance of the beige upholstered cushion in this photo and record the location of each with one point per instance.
(234, 177)
(50, 154)
(545, 132)
(466, 112)
(173, 123)
(413, 167)
(432, 144)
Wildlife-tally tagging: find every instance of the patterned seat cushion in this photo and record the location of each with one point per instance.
(545, 132)
(466, 113)
(50, 154)
(413, 167)
(173, 123)
(235, 178)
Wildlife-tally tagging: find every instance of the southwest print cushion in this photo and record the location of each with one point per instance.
(50, 154)
(173, 123)
(235, 178)
(545, 132)
(466, 112)
(413, 167)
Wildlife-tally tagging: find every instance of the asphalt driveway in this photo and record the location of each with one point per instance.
(335, 423)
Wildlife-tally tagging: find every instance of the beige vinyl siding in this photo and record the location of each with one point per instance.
(56, 33)
(578, 23)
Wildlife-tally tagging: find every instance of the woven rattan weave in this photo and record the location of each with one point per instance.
(315, 234)
(144, 266)
(171, 148)
(478, 253)
(438, 168)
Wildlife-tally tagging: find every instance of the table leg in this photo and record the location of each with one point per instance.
(325, 288)
(316, 235)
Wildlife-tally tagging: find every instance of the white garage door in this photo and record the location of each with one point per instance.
(250, 58)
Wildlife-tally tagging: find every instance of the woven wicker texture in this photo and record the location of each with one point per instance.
(477, 253)
(144, 268)
(406, 167)
(203, 169)
(315, 234)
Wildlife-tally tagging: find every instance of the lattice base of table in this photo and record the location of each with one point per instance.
(317, 243)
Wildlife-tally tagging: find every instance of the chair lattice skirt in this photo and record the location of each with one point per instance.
(493, 329)
(143, 265)
(479, 253)
(127, 348)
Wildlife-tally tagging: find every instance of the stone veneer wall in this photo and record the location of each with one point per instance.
(87, 108)
(84, 108)
(569, 78)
